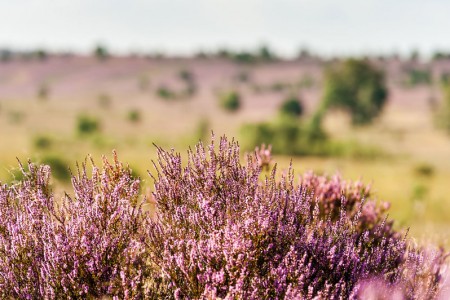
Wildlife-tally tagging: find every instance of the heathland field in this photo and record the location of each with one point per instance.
(59, 109)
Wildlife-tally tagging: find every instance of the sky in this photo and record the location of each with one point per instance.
(328, 27)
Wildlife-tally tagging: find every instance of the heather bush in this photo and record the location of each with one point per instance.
(87, 245)
(222, 232)
(222, 229)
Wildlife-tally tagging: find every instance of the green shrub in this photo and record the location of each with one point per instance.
(60, 168)
(134, 116)
(42, 142)
(87, 124)
(101, 53)
(244, 57)
(290, 137)
(286, 135)
(417, 77)
(41, 54)
(165, 93)
(424, 169)
(357, 87)
(230, 101)
(292, 107)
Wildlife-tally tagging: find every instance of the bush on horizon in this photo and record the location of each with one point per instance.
(356, 86)
(230, 101)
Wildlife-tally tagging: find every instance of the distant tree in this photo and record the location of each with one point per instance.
(230, 101)
(5, 55)
(41, 54)
(357, 87)
(266, 54)
(292, 106)
(101, 52)
(87, 124)
(418, 76)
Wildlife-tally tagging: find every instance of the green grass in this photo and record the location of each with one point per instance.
(413, 177)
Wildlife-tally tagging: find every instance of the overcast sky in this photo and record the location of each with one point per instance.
(183, 26)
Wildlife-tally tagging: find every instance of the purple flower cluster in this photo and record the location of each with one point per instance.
(81, 246)
(220, 230)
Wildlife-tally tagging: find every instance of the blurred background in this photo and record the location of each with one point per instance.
(361, 88)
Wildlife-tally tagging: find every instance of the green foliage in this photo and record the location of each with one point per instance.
(266, 54)
(186, 75)
(262, 54)
(134, 116)
(87, 124)
(165, 93)
(286, 135)
(357, 87)
(417, 77)
(230, 101)
(101, 53)
(244, 57)
(424, 169)
(440, 55)
(42, 142)
(41, 54)
(60, 168)
(290, 137)
(292, 107)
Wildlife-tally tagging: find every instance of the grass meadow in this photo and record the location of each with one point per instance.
(59, 110)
